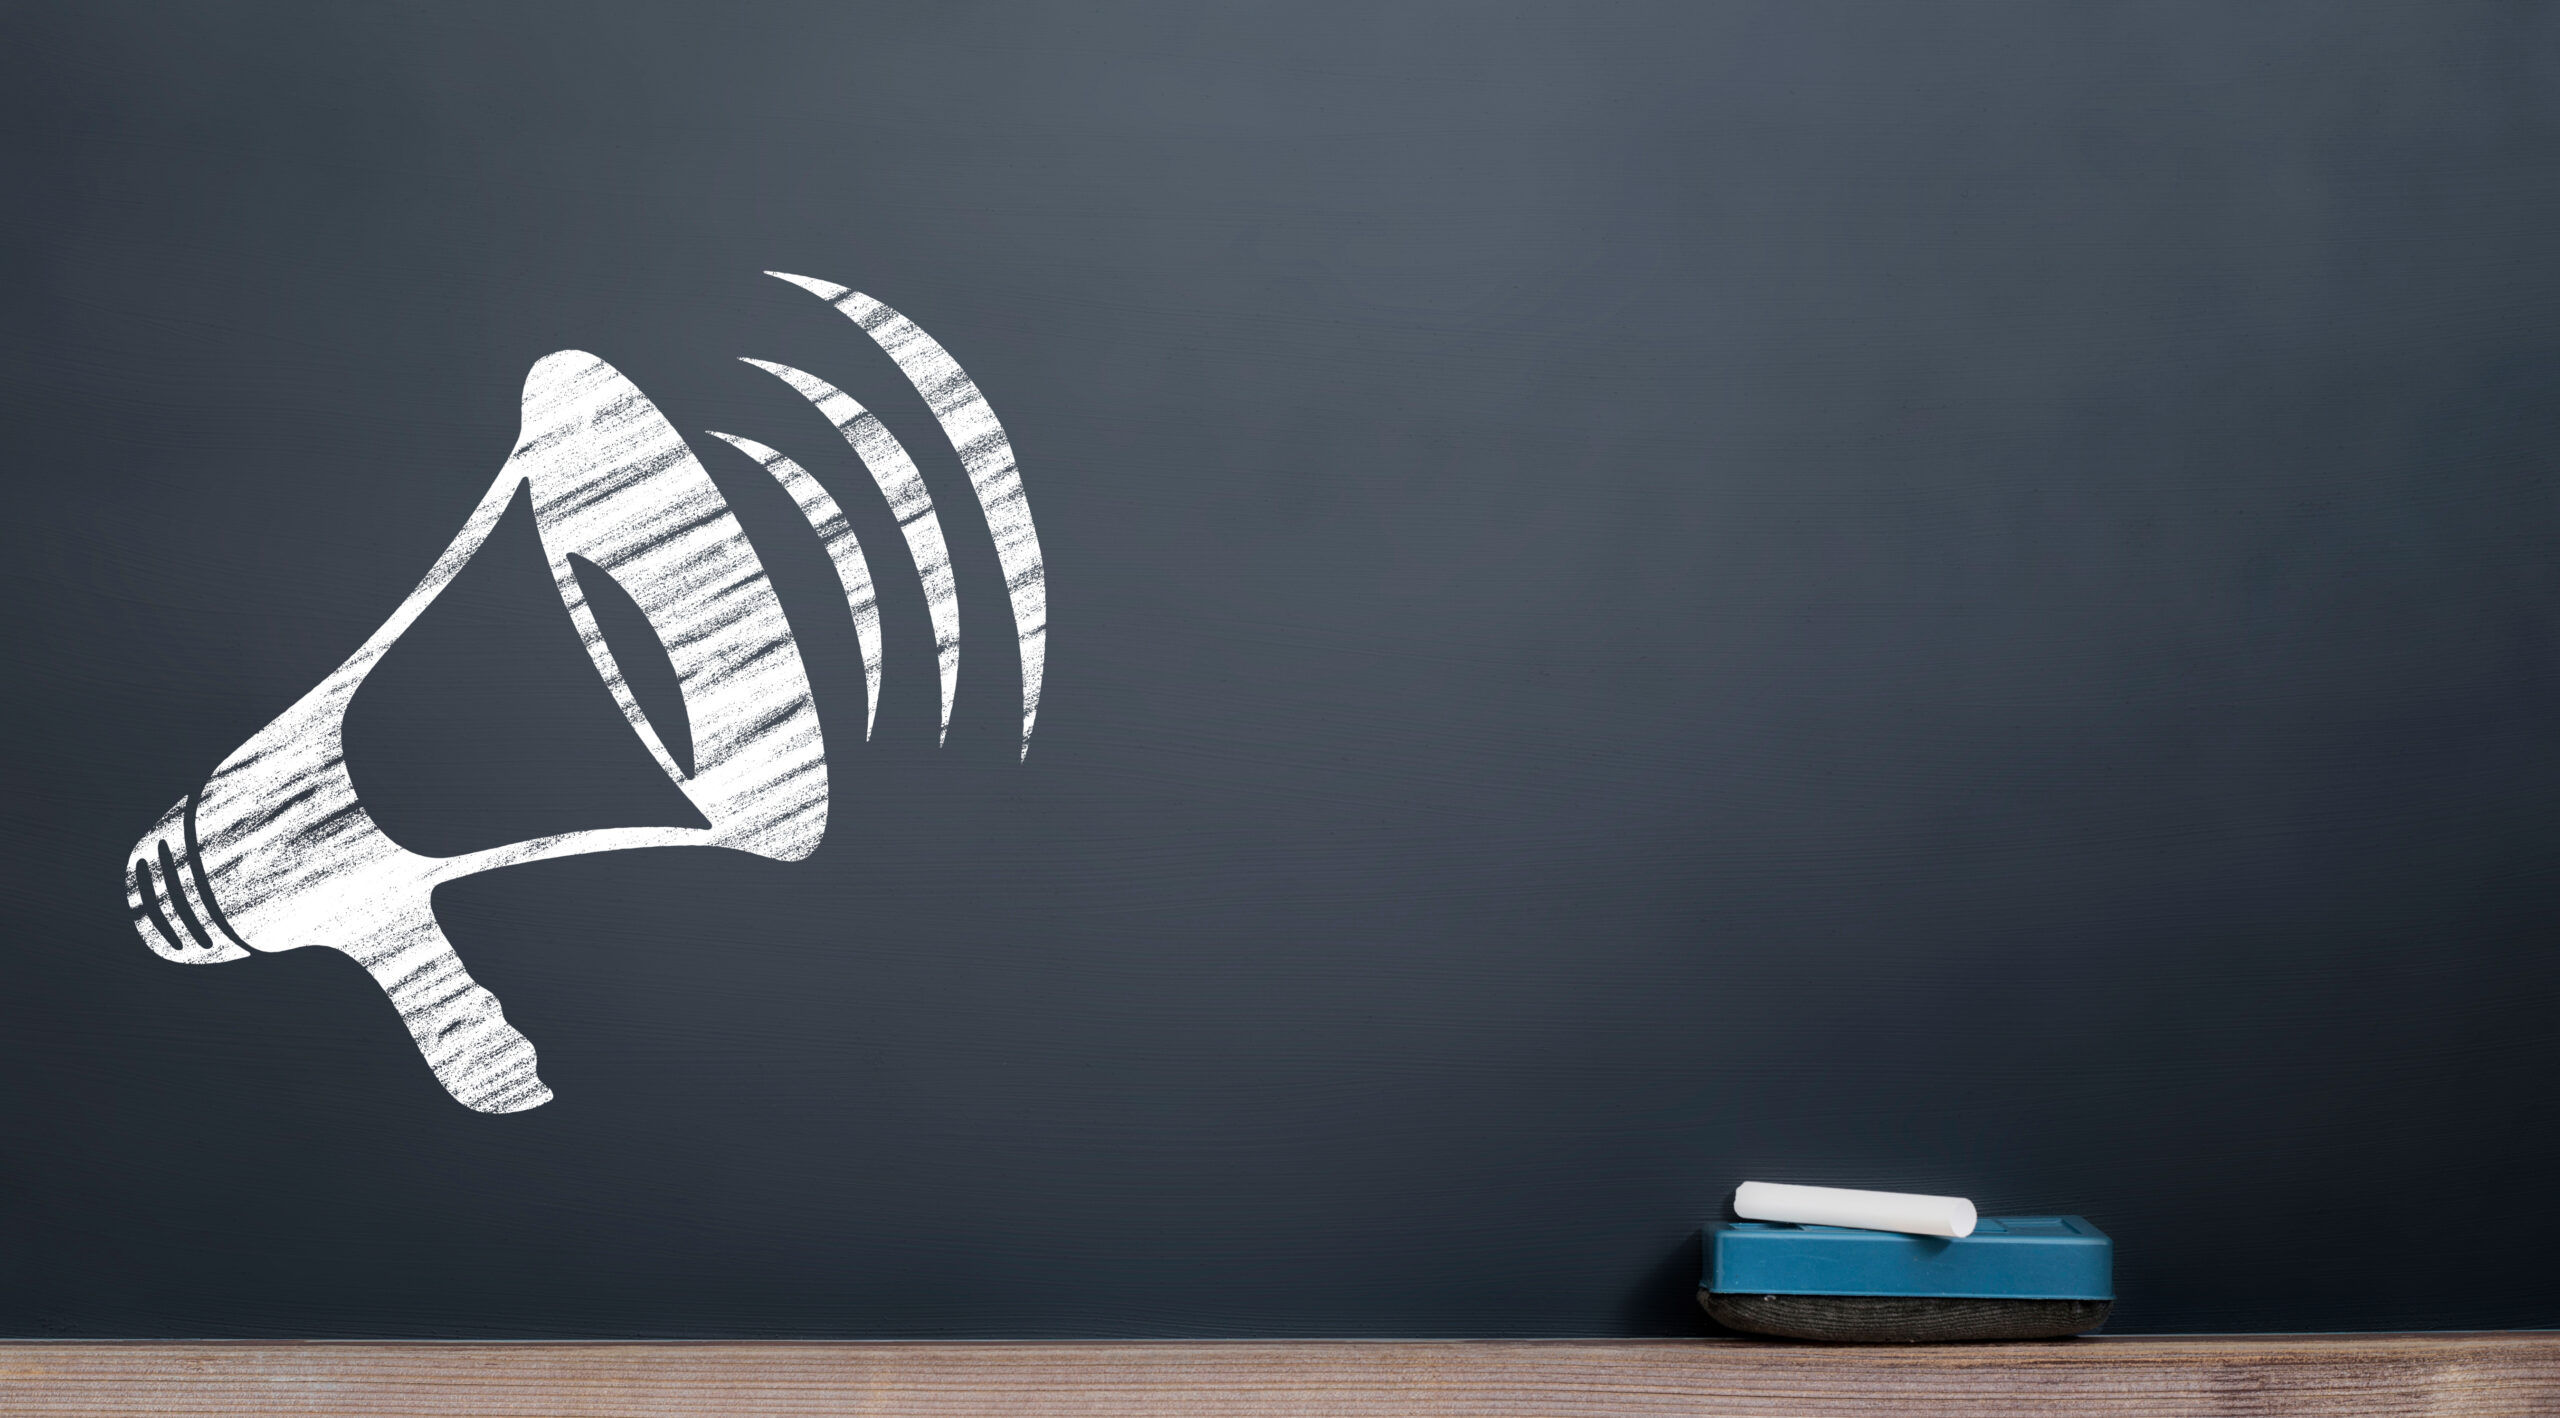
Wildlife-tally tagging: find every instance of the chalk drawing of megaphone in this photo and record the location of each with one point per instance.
(276, 851)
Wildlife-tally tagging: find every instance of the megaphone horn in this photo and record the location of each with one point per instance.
(275, 851)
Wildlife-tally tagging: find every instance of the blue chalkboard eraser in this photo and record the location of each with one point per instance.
(2015, 1277)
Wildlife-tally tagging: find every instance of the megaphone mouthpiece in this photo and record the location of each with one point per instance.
(172, 903)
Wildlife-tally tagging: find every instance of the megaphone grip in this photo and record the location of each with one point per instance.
(459, 1027)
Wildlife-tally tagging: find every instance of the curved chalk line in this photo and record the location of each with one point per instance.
(887, 461)
(986, 454)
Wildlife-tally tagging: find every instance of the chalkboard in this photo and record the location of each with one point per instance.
(1531, 611)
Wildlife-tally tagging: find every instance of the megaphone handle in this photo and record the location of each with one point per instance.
(459, 1027)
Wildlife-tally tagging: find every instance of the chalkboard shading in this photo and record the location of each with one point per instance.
(1958, 599)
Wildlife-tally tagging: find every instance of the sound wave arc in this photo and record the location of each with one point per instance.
(885, 458)
(986, 454)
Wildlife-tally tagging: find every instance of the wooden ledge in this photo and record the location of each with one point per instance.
(2467, 1374)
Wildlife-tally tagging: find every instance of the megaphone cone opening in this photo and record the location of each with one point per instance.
(641, 656)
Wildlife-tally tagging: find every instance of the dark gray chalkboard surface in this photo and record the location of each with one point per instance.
(1963, 598)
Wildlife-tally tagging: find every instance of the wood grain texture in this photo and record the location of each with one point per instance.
(2447, 1374)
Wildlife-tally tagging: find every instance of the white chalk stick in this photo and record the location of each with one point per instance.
(1867, 1211)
